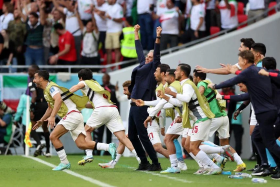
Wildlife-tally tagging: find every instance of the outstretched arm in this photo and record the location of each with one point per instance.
(77, 87)
(242, 97)
(138, 46)
(156, 60)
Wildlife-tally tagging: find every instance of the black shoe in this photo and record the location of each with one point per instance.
(39, 150)
(155, 167)
(276, 176)
(254, 169)
(262, 171)
(253, 158)
(143, 167)
(273, 170)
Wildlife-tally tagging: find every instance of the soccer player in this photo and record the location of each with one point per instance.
(221, 122)
(104, 111)
(261, 97)
(66, 105)
(195, 105)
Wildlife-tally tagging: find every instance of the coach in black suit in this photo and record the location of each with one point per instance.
(143, 85)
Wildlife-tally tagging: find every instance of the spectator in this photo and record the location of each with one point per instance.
(144, 9)
(71, 23)
(228, 10)
(114, 15)
(212, 17)
(66, 44)
(197, 20)
(101, 22)
(17, 31)
(161, 5)
(6, 55)
(169, 19)
(90, 42)
(256, 9)
(5, 127)
(7, 16)
(85, 8)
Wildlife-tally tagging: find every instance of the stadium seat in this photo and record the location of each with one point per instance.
(241, 19)
(271, 4)
(240, 9)
(214, 30)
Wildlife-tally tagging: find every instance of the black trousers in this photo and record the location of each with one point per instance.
(102, 37)
(259, 145)
(137, 116)
(238, 133)
(266, 129)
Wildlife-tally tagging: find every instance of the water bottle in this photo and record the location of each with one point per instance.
(235, 177)
(258, 180)
(226, 173)
(244, 175)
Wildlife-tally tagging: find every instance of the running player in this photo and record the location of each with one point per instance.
(66, 105)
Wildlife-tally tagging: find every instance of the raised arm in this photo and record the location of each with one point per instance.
(56, 5)
(81, 25)
(156, 60)
(138, 46)
(94, 22)
(24, 17)
(43, 15)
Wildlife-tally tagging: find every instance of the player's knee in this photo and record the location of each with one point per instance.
(53, 137)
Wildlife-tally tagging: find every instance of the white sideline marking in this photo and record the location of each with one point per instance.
(164, 176)
(91, 180)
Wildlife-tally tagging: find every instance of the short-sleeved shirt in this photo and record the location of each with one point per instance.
(214, 103)
(67, 38)
(71, 23)
(197, 12)
(169, 21)
(114, 11)
(90, 43)
(4, 21)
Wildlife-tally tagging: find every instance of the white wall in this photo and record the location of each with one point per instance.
(220, 50)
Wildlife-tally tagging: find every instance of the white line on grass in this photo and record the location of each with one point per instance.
(91, 180)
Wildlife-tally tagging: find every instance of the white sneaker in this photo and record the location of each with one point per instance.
(110, 165)
(213, 171)
(200, 171)
(182, 166)
(47, 155)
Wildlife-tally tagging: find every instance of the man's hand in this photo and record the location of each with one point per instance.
(178, 119)
(160, 94)
(107, 16)
(136, 28)
(149, 119)
(53, 59)
(219, 96)
(51, 122)
(37, 125)
(168, 91)
(211, 85)
(117, 86)
(162, 130)
(236, 113)
(139, 102)
(231, 69)
(196, 34)
(201, 69)
(263, 72)
(159, 29)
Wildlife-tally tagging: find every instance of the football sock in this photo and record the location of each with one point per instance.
(136, 156)
(210, 150)
(102, 146)
(197, 161)
(206, 161)
(179, 153)
(173, 160)
(237, 159)
(89, 152)
(62, 155)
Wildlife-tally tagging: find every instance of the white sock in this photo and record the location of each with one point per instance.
(210, 143)
(237, 159)
(89, 152)
(173, 160)
(214, 156)
(197, 161)
(102, 146)
(136, 156)
(209, 149)
(207, 162)
(114, 162)
(62, 156)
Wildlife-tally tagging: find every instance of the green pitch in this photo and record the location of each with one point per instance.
(21, 171)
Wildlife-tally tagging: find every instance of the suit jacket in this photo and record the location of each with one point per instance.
(143, 83)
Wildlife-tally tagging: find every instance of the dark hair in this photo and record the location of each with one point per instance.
(247, 55)
(34, 14)
(191, 77)
(173, 1)
(9, 6)
(186, 68)
(247, 42)
(58, 26)
(269, 63)
(129, 20)
(163, 68)
(260, 48)
(201, 75)
(126, 83)
(171, 72)
(44, 74)
(34, 66)
(85, 74)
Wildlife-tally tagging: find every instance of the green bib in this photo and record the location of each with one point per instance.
(222, 103)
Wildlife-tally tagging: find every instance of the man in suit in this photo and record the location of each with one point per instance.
(143, 85)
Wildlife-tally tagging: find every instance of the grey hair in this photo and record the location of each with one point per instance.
(151, 51)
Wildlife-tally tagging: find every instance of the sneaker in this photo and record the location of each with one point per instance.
(213, 171)
(39, 150)
(253, 158)
(240, 167)
(254, 169)
(113, 150)
(183, 166)
(172, 170)
(222, 162)
(227, 151)
(86, 159)
(273, 170)
(62, 166)
(276, 176)
(262, 171)
(143, 167)
(48, 155)
(200, 171)
(155, 167)
(107, 165)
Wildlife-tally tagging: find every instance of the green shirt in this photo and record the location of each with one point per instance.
(214, 106)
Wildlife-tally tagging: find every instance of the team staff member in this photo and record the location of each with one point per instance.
(142, 87)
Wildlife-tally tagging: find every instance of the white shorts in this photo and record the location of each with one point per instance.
(108, 116)
(221, 125)
(154, 132)
(200, 131)
(175, 128)
(74, 123)
(186, 132)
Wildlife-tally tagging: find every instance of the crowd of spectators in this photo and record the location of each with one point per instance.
(94, 32)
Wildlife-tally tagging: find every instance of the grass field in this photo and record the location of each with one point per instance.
(21, 171)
